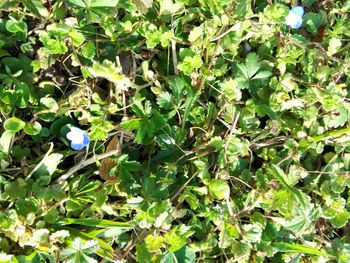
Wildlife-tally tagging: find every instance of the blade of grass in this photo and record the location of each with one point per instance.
(327, 135)
(100, 223)
(298, 248)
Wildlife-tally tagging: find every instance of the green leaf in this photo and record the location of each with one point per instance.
(298, 248)
(52, 45)
(219, 189)
(77, 38)
(252, 233)
(281, 177)
(88, 50)
(14, 124)
(154, 243)
(185, 255)
(79, 250)
(262, 75)
(177, 86)
(143, 5)
(16, 26)
(340, 119)
(6, 140)
(341, 219)
(346, 6)
(78, 3)
(104, 250)
(192, 97)
(126, 167)
(48, 164)
(190, 64)
(168, 258)
(252, 64)
(175, 240)
(142, 253)
(36, 256)
(334, 46)
(107, 69)
(195, 34)
(36, 8)
(165, 100)
(94, 9)
(93, 3)
(132, 124)
(23, 95)
(16, 190)
(307, 2)
(32, 128)
(313, 21)
(103, 3)
(243, 8)
(27, 205)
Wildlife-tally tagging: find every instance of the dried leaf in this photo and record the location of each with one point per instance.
(143, 5)
(108, 163)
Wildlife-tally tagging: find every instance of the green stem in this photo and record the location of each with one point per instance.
(327, 135)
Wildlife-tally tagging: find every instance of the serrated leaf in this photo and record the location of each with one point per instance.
(281, 177)
(177, 86)
(93, 3)
(104, 250)
(103, 3)
(79, 3)
(252, 64)
(165, 100)
(142, 253)
(88, 50)
(262, 75)
(340, 119)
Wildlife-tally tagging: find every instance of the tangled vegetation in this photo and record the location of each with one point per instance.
(174, 131)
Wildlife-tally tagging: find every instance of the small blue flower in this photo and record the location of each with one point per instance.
(79, 138)
(298, 10)
(294, 18)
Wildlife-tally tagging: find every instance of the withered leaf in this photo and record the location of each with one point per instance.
(108, 163)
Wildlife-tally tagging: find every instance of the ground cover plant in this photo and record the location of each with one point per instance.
(174, 131)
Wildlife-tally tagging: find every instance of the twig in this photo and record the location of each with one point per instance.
(41, 162)
(233, 127)
(178, 192)
(85, 163)
(241, 181)
(173, 49)
(285, 159)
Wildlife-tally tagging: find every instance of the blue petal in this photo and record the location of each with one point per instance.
(77, 146)
(298, 10)
(86, 139)
(293, 20)
(75, 134)
(297, 23)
